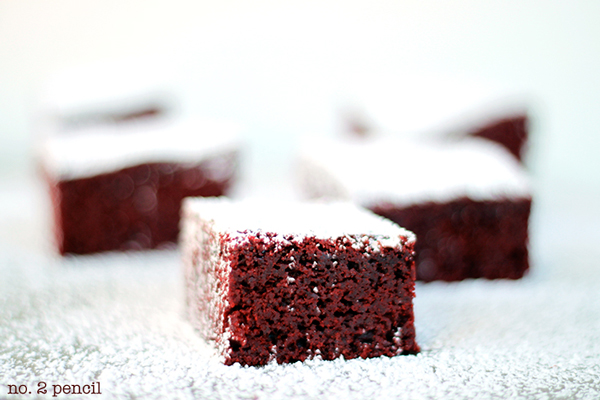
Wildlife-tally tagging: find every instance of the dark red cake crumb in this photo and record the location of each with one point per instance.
(262, 296)
(465, 238)
(332, 301)
(131, 209)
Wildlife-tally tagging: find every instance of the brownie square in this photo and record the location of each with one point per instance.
(121, 187)
(468, 201)
(418, 105)
(291, 281)
(465, 238)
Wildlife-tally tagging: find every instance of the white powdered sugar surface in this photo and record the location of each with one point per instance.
(406, 172)
(118, 320)
(106, 148)
(297, 219)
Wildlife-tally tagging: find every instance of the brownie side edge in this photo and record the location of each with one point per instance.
(206, 274)
(465, 238)
(134, 208)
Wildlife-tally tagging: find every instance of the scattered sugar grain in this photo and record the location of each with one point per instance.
(119, 320)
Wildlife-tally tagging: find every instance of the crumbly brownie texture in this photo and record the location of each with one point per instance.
(467, 239)
(467, 202)
(132, 209)
(511, 132)
(261, 295)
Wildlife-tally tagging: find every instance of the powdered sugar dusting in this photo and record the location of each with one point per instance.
(119, 320)
(405, 172)
(91, 151)
(298, 219)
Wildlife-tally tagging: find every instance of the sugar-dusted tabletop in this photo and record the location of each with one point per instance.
(115, 322)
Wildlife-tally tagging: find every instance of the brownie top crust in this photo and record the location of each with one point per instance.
(289, 220)
(102, 149)
(406, 172)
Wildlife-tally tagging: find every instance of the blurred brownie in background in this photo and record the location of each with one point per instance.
(468, 201)
(119, 156)
(120, 187)
(415, 105)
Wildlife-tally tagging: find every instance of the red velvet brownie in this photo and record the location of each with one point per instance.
(468, 202)
(415, 105)
(120, 187)
(294, 281)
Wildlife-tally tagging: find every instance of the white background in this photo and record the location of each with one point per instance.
(268, 59)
